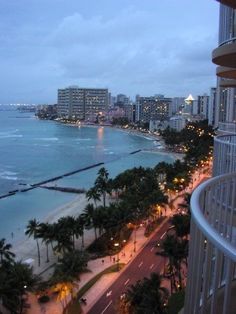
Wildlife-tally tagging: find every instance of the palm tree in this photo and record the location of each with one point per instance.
(169, 249)
(80, 225)
(181, 225)
(88, 215)
(5, 253)
(44, 233)
(148, 296)
(32, 229)
(103, 184)
(94, 195)
(16, 279)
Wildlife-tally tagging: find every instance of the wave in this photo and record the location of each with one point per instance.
(47, 139)
(83, 139)
(11, 135)
(41, 145)
(8, 175)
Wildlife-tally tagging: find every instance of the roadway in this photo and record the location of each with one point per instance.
(141, 266)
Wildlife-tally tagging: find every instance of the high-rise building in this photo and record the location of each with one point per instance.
(153, 108)
(203, 105)
(178, 104)
(226, 84)
(211, 283)
(212, 106)
(82, 103)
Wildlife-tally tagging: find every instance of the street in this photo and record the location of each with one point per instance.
(142, 266)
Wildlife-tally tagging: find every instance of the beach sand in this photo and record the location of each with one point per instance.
(27, 249)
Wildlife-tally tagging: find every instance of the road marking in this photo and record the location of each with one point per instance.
(126, 282)
(163, 235)
(151, 266)
(140, 264)
(106, 307)
(152, 249)
(109, 293)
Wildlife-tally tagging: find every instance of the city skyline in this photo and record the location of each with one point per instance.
(146, 49)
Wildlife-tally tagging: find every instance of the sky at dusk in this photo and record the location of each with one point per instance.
(131, 47)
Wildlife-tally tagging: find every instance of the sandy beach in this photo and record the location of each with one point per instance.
(27, 249)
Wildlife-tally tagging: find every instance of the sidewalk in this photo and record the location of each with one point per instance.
(95, 266)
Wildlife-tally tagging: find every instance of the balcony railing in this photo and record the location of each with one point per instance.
(212, 254)
(224, 157)
(227, 127)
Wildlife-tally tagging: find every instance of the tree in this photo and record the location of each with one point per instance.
(103, 184)
(80, 225)
(67, 272)
(44, 232)
(32, 229)
(147, 296)
(16, 279)
(181, 225)
(93, 194)
(88, 215)
(5, 253)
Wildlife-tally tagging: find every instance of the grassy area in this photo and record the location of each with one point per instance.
(103, 246)
(74, 307)
(176, 302)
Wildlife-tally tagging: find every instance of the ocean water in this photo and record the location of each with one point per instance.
(33, 150)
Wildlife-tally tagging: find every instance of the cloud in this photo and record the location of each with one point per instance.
(134, 51)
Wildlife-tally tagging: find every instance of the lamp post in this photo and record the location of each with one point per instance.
(116, 245)
(135, 238)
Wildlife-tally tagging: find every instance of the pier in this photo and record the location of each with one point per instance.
(63, 189)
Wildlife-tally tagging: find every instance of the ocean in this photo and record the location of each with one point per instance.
(33, 150)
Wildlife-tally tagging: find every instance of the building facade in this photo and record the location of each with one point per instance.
(177, 123)
(203, 106)
(226, 84)
(153, 108)
(82, 103)
(211, 283)
(212, 106)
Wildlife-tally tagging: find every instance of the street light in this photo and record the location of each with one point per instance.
(135, 238)
(116, 245)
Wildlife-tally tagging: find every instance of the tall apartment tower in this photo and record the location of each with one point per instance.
(153, 108)
(226, 87)
(203, 106)
(81, 103)
(211, 281)
(212, 106)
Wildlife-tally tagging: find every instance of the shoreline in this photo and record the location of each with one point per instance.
(25, 248)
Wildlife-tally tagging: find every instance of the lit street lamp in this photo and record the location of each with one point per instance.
(116, 245)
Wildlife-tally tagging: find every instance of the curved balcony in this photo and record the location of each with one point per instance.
(227, 127)
(227, 83)
(211, 281)
(225, 54)
(224, 156)
(229, 3)
(225, 72)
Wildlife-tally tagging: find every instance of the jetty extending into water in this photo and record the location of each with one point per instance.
(63, 189)
(40, 184)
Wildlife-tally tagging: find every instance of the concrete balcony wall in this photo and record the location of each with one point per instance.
(228, 83)
(229, 3)
(224, 155)
(225, 54)
(212, 252)
(229, 73)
